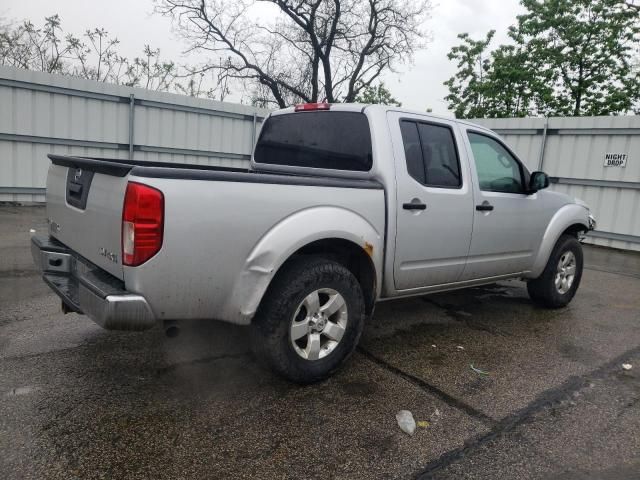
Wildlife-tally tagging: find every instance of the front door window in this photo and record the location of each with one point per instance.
(497, 170)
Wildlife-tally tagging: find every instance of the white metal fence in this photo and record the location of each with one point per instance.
(575, 152)
(42, 113)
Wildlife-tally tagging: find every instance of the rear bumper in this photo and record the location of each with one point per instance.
(87, 289)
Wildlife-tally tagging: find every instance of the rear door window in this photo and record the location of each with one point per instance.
(330, 140)
(431, 155)
(413, 151)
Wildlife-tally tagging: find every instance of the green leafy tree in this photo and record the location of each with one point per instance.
(467, 87)
(379, 94)
(507, 89)
(634, 6)
(500, 85)
(517, 84)
(586, 47)
(567, 57)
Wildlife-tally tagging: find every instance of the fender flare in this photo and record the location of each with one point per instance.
(288, 236)
(565, 217)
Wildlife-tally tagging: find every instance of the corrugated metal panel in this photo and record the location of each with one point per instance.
(44, 113)
(574, 152)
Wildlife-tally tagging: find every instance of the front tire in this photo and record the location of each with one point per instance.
(310, 320)
(559, 281)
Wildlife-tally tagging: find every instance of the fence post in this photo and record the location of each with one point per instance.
(132, 103)
(543, 143)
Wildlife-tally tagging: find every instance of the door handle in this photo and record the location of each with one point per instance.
(414, 206)
(485, 207)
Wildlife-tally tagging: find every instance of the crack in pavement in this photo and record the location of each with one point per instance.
(442, 395)
(510, 422)
(604, 270)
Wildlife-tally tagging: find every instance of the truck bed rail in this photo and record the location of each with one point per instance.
(121, 168)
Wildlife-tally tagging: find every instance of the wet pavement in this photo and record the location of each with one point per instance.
(80, 402)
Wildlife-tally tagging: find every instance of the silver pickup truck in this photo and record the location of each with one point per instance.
(343, 206)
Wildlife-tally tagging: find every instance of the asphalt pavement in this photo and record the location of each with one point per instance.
(507, 389)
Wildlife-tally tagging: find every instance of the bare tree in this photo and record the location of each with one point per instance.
(309, 50)
(97, 58)
(205, 83)
(94, 56)
(150, 72)
(27, 46)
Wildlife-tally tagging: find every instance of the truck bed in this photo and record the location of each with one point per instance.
(223, 228)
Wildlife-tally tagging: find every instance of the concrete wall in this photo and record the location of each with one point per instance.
(42, 113)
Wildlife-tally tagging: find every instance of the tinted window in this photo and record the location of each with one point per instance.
(431, 154)
(440, 156)
(497, 170)
(334, 140)
(413, 151)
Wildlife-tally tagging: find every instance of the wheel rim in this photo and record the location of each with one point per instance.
(565, 272)
(319, 323)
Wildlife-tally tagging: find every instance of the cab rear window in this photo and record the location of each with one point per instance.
(326, 139)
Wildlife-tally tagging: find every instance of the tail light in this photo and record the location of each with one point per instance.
(142, 223)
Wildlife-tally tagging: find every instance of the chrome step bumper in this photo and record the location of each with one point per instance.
(87, 289)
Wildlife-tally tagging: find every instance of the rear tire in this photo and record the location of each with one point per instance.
(310, 319)
(560, 279)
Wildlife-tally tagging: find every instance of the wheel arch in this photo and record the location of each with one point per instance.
(575, 230)
(570, 219)
(350, 255)
(336, 233)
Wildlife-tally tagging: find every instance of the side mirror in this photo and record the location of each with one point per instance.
(538, 181)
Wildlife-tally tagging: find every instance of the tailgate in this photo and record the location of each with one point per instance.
(84, 209)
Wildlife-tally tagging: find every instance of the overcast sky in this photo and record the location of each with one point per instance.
(417, 86)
